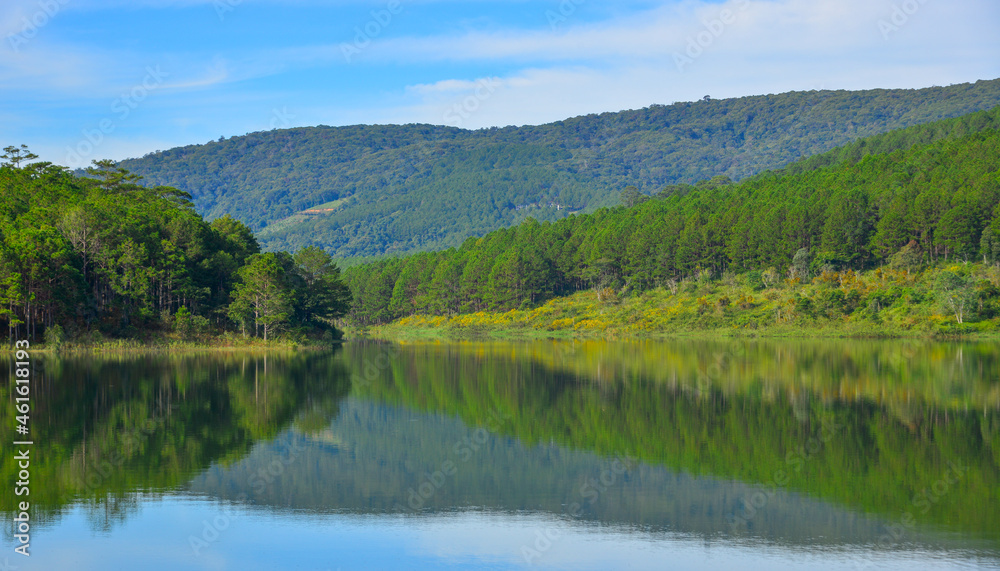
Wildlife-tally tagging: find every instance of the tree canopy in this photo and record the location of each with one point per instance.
(104, 255)
(369, 190)
(923, 204)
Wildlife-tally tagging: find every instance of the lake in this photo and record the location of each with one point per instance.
(509, 455)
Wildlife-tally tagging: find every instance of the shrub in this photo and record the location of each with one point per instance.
(800, 264)
(909, 257)
(55, 336)
(703, 305)
(804, 306)
(607, 295)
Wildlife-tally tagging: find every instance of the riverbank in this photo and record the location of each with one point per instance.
(448, 332)
(166, 344)
(958, 301)
(883, 303)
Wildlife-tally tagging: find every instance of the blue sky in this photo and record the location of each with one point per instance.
(91, 79)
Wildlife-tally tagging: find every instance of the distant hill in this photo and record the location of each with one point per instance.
(370, 190)
(922, 195)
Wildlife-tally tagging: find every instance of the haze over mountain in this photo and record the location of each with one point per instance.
(370, 190)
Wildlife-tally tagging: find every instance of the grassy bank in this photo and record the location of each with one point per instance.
(173, 344)
(879, 303)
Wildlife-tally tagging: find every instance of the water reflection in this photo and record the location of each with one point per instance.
(816, 455)
(378, 459)
(829, 420)
(108, 427)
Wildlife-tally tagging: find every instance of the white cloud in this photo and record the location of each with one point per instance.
(785, 28)
(51, 70)
(652, 34)
(448, 86)
(214, 74)
(46, 68)
(757, 47)
(528, 97)
(511, 76)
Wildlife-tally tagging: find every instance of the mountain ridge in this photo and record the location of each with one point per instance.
(405, 188)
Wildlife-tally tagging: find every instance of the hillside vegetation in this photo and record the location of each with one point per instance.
(738, 411)
(371, 190)
(845, 241)
(84, 258)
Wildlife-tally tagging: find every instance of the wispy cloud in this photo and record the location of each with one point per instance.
(474, 64)
(786, 28)
(46, 68)
(761, 47)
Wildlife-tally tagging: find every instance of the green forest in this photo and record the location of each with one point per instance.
(101, 256)
(738, 410)
(369, 190)
(893, 234)
(925, 216)
(117, 424)
(120, 425)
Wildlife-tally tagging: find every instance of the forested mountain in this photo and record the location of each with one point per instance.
(889, 411)
(922, 204)
(692, 496)
(369, 190)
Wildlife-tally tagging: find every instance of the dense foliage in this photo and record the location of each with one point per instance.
(109, 427)
(102, 255)
(369, 190)
(930, 203)
(877, 303)
(113, 427)
(734, 410)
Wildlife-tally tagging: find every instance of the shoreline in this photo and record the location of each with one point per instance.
(393, 332)
(140, 346)
(396, 332)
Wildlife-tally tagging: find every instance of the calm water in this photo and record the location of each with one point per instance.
(596, 455)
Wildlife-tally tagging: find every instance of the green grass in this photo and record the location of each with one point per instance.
(219, 343)
(882, 303)
(330, 205)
